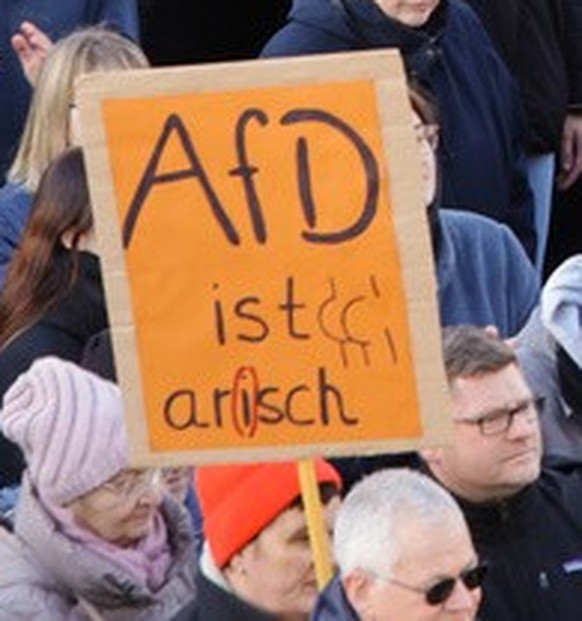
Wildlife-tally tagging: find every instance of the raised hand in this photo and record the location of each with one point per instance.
(32, 46)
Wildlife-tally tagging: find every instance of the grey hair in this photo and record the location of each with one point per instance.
(366, 533)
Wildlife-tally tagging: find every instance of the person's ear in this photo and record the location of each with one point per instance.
(358, 586)
(81, 241)
(68, 238)
(492, 330)
(432, 455)
(238, 566)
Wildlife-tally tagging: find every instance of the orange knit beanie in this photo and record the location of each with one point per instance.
(239, 501)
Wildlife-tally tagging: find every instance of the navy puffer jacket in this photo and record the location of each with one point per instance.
(482, 121)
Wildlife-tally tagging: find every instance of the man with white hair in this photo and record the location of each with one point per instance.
(404, 552)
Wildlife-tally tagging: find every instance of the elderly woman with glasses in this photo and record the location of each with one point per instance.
(93, 537)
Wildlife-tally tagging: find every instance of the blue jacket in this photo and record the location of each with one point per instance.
(57, 19)
(15, 203)
(484, 276)
(332, 604)
(482, 122)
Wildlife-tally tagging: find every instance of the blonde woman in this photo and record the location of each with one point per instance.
(27, 30)
(48, 129)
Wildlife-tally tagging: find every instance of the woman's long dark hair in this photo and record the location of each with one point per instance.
(42, 270)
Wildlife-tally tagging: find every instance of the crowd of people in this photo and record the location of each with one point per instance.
(487, 527)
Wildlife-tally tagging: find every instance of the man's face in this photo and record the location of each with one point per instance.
(413, 13)
(277, 567)
(482, 467)
(428, 554)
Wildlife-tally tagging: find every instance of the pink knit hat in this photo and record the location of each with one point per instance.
(69, 424)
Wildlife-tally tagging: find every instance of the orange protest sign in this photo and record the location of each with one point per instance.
(266, 258)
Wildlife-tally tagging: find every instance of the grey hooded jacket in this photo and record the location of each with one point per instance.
(44, 575)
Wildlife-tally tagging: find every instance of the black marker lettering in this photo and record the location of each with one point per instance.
(245, 171)
(241, 310)
(151, 178)
(290, 306)
(180, 410)
(371, 171)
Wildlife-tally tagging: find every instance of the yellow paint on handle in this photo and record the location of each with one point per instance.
(315, 522)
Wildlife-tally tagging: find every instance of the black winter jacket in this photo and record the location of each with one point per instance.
(215, 604)
(483, 128)
(533, 545)
(63, 331)
(541, 41)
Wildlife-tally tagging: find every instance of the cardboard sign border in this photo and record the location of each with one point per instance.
(92, 89)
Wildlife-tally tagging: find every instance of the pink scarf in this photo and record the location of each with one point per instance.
(148, 561)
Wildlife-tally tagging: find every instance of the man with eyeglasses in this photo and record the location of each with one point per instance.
(404, 553)
(526, 521)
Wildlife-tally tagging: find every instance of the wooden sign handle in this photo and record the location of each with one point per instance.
(315, 522)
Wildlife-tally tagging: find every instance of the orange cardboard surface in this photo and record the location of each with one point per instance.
(266, 258)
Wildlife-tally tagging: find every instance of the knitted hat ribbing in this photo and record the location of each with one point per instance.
(69, 424)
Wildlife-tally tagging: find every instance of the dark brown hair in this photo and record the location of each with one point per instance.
(39, 274)
(470, 351)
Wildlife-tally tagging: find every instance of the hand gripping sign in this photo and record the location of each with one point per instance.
(266, 258)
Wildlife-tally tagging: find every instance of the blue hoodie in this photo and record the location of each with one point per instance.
(482, 122)
(57, 18)
(15, 204)
(483, 274)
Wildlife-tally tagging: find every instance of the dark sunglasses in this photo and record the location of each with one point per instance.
(440, 592)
